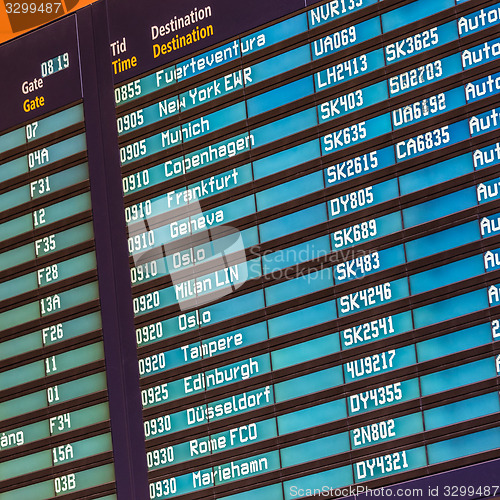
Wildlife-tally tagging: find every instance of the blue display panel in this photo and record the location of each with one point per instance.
(311, 220)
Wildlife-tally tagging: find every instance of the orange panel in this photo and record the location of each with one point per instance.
(18, 17)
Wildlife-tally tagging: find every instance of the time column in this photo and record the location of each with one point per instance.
(55, 437)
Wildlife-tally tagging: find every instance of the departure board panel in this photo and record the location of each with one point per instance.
(311, 198)
(54, 415)
(251, 250)
(55, 433)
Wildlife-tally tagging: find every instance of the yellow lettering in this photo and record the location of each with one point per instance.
(32, 104)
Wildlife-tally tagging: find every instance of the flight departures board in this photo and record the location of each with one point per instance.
(252, 250)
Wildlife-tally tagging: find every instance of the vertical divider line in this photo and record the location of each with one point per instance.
(112, 255)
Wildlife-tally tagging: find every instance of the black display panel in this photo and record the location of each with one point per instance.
(251, 250)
